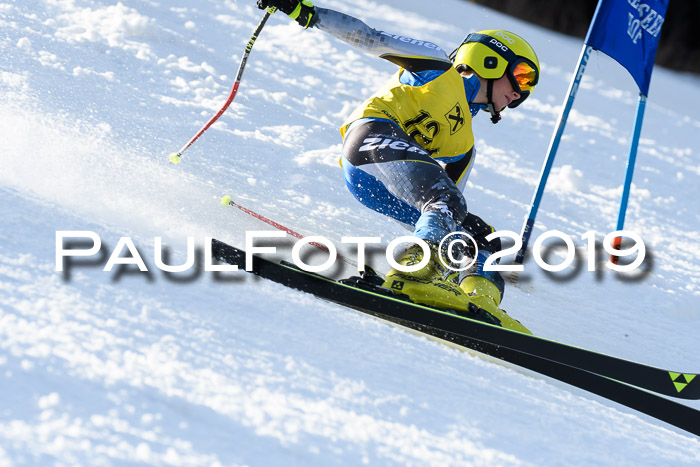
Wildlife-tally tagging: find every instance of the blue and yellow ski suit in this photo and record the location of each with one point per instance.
(409, 148)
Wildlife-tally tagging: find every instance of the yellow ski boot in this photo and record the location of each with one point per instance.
(477, 292)
(426, 285)
(413, 256)
(487, 294)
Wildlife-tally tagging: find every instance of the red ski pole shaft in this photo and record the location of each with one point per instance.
(227, 201)
(176, 156)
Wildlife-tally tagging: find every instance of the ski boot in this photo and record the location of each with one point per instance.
(484, 290)
(413, 255)
(427, 286)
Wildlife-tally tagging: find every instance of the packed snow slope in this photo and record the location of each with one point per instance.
(125, 367)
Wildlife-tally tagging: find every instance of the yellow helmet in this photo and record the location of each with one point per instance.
(491, 53)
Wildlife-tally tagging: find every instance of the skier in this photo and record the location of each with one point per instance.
(408, 149)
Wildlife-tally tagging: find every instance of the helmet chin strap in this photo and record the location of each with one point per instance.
(495, 115)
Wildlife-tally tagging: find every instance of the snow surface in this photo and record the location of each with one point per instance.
(125, 367)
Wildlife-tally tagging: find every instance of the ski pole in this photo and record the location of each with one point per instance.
(227, 201)
(176, 156)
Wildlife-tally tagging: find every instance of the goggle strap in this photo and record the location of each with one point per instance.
(504, 51)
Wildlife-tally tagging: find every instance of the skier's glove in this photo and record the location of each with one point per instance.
(302, 11)
(479, 230)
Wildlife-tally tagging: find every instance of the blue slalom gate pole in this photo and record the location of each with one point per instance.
(552, 151)
(631, 160)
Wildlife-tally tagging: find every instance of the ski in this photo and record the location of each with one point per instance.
(623, 381)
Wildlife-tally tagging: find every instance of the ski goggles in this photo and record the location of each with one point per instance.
(523, 76)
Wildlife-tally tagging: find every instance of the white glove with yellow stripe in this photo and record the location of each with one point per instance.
(302, 11)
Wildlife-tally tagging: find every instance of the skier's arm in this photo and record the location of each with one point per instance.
(411, 54)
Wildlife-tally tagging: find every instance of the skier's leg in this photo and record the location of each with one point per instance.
(387, 171)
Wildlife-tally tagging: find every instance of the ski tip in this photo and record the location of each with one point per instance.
(226, 200)
(175, 158)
